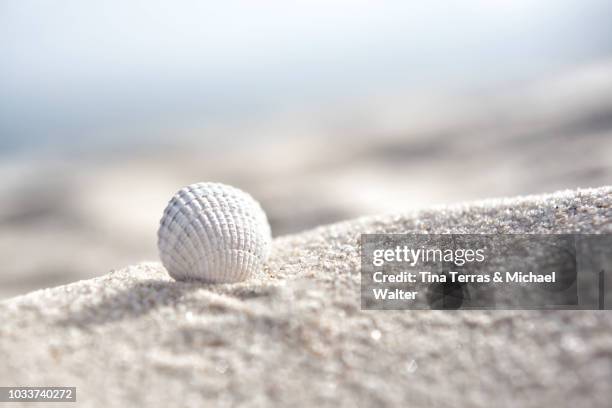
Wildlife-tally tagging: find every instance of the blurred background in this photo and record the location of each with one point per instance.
(323, 110)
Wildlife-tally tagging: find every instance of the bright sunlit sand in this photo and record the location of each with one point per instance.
(137, 337)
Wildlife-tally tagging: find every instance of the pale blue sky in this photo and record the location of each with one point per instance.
(71, 68)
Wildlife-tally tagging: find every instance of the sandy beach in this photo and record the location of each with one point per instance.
(401, 204)
(295, 333)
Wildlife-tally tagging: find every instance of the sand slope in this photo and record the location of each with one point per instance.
(295, 334)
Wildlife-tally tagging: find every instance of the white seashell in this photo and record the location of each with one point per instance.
(214, 233)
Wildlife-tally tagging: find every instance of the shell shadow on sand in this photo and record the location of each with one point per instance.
(142, 297)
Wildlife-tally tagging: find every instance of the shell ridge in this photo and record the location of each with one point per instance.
(213, 232)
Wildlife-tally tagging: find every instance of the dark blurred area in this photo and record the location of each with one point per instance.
(323, 111)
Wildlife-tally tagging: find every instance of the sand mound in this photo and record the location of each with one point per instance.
(295, 334)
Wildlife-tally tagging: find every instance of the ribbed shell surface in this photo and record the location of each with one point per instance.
(214, 233)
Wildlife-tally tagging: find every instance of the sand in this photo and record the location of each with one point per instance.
(295, 335)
